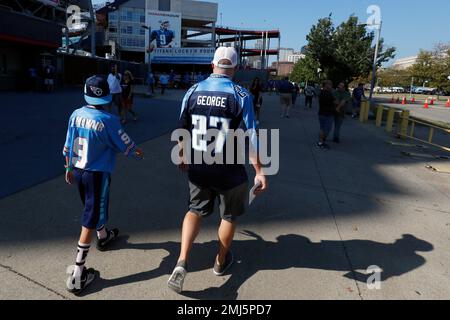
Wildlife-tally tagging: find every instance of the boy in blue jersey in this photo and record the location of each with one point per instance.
(164, 37)
(94, 136)
(216, 103)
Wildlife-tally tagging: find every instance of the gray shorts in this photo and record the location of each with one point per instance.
(232, 202)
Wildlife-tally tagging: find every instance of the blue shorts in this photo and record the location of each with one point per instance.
(94, 192)
(326, 123)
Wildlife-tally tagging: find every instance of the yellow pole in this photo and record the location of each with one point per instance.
(430, 135)
(362, 112)
(379, 120)
(390, 120)
(413, 127)
(367, 111)
(404, 124)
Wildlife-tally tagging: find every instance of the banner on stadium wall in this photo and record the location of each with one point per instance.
(165, 29)
(183, 55)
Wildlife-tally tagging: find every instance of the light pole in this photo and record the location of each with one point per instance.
(375, 61)
(149, 29)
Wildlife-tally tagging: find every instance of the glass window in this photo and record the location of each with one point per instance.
(113, 30)
(113, 16)
(129, 30)
(142, 31)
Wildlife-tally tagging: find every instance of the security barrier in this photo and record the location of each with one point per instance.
(406, 126)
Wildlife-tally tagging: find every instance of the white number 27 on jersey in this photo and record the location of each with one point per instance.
(80, 149)
(201, 129)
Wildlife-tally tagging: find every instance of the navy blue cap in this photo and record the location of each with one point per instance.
(96, 91)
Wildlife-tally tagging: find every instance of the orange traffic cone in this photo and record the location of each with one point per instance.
(432, 102)
(426, 104)
(413, 100)
(404, 101)
(448, 103)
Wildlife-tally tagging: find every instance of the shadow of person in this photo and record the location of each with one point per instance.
(294, 251)
(288, 251)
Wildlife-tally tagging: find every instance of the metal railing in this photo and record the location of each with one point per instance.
(407, 124)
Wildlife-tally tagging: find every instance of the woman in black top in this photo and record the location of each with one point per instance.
(255, 90)
(127, 97)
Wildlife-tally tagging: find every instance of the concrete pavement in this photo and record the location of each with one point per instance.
(327, 217)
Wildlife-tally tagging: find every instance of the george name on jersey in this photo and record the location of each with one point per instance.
(211, 101)
(88, 124)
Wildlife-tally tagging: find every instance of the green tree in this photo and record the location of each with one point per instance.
(305, 70)
(394, 78)
(344, 53)
(422, 70)
(433, 67)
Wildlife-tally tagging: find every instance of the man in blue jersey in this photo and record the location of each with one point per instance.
(216, 103)
(94, 136)
(164, 37)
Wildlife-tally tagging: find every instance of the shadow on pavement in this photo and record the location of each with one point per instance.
(288, 251)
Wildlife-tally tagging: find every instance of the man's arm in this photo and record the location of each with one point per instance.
(250, 124)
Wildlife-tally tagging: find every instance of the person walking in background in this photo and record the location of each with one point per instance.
(358, 95)
(309, 96)
(286, 89)
(255, 90)
(49, 77)
(327, 109)
(33, 74)
(151, 83)
(342, 98)
(186, 80)
(114, 81)
(164, 81)
(295, 94)
(171, 79)
(127, 96)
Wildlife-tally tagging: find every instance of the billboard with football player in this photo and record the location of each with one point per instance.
(165, 29)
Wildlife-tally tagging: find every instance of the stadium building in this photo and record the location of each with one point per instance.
(129, 24)
(31, 31)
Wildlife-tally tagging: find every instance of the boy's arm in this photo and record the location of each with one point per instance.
(67, 151)
(121, 141)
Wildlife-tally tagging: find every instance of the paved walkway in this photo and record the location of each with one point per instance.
(327, 217)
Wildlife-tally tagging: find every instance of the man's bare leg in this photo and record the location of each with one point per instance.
(191, 228)
(226, 235)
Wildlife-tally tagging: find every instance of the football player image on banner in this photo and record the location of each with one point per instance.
(164, 36)
(165, 29)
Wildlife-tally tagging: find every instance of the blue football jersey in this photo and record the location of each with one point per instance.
(217, 103)
(163, 37)
(93, 139)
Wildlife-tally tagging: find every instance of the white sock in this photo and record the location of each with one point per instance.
(82, 252)
(101, 233)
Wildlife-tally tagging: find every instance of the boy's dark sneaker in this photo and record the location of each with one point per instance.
(102, 245)
(219, 270)
(77, 286)
(176, 280)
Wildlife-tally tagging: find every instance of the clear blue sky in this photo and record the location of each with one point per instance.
(409, 25)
